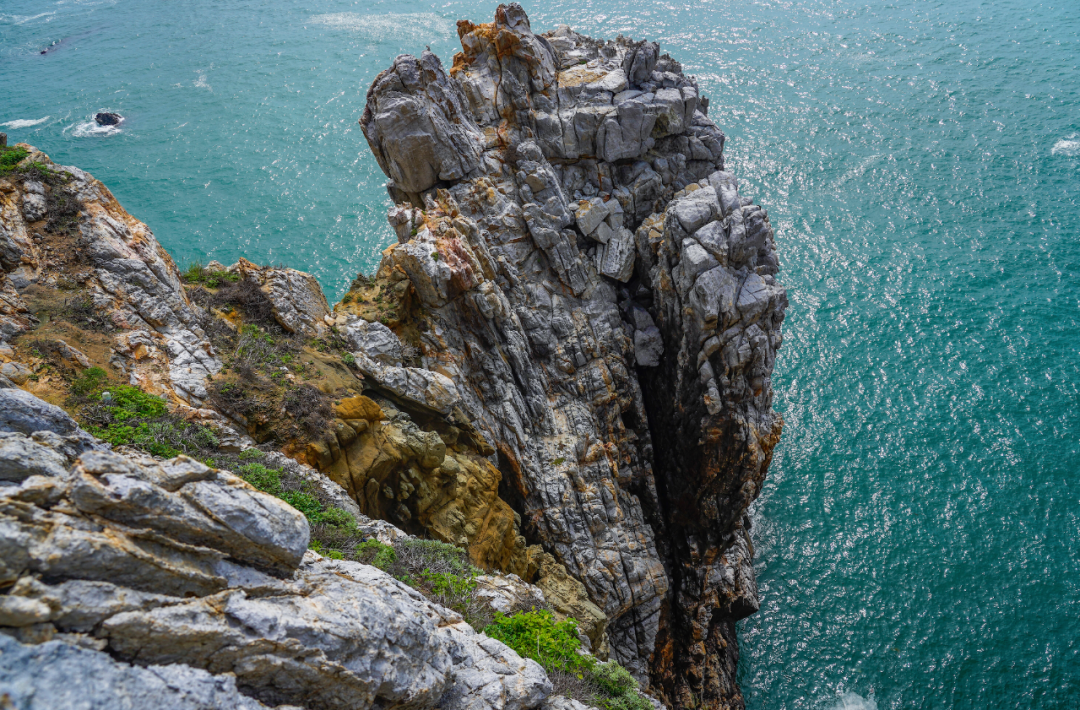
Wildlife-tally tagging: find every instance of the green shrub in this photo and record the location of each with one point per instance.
(10, 159)
(197, 274)
(91, 381)
(373, 552)
(435, 557)
(267, 480)
(128, 402)
(536, 635)
(123, 415)
(251, 454)
(306, 503)
(627, 701)
(613, 679)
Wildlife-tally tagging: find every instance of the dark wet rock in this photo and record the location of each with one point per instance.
(106, 118)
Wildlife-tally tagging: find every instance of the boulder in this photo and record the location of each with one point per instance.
(107, 118)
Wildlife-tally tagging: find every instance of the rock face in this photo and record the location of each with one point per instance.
(604, 303)
(171, 580)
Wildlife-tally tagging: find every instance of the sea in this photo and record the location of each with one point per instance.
(917, 539)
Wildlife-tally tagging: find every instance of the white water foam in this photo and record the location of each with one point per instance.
(1069, 147)
(23, 19)
(23, 123)
(200, 82)
(90, 129)
(854, 701)
(389, 26)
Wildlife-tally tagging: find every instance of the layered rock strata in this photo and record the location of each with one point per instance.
(604, 302)
(141, 579)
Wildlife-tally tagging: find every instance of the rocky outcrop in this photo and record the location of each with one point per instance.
(62, 231)
(604, 302)
(174, 580)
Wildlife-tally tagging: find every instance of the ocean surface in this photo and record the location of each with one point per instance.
(917, 539)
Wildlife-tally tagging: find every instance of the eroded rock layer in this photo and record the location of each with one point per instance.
(603, 302)
(134, 579)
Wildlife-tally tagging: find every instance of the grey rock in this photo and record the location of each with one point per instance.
(616, 257)
(16, 372)
(56, 675)
(22, 457)
(34, 206)
(164, 563)
(22, 412)
(373, 339)
(542, 359)
(418, 125)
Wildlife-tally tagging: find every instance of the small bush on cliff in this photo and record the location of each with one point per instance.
(245, 294)
(375, 553)
(10, 157)
(536, 635)
(310, 407)
(555, 646)
(124, 415)
(197, 274)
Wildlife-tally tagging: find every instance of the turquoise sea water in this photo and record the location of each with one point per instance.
(917, 539)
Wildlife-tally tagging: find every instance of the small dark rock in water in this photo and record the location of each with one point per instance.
(108, 119)
(3, 140)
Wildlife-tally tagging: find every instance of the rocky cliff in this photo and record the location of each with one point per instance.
(605, 301)
(562, 366)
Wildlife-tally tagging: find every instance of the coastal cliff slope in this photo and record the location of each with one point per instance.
(562, 367)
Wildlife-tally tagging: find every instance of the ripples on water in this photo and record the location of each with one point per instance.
(920, 162)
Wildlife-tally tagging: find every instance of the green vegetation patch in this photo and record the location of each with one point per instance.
(10, 157)
(124, 415)
(537, 635)
(555, 645)
(198, 274)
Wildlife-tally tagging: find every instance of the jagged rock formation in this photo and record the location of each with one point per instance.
(171, 580)
(603, 300)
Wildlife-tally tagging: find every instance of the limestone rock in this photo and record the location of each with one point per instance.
(205, 582)
(418, 125)
(122, 271)
(375, 340)
(58, 675)
(298, 301)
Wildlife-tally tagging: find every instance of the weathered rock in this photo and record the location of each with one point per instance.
(57, 675)
(375, 340)
(298, 301)
(721, 311)
(204, 582)
(603, 146)
(414, 110)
